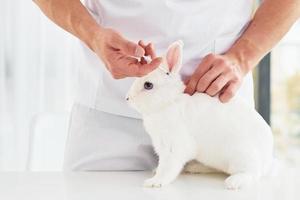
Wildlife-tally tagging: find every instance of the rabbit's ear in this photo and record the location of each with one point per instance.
(174, 56)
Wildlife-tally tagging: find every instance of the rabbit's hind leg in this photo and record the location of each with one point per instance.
(239, 180)
(243, 173)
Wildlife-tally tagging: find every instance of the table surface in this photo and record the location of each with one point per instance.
(128, 185)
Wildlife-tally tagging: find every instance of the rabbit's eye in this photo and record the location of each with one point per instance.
(148, 85)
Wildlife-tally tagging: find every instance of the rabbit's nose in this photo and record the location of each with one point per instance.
(127, 98)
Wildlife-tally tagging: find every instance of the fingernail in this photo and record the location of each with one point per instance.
(159, 59)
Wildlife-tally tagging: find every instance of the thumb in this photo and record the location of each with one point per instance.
(131, 49)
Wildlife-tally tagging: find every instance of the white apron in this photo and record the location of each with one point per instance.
(205, 26)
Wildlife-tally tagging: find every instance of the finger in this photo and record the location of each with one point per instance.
(206, 80)
(147, 68)
(142, 44)
(229, 92)
(136, 69)
(217, 85)
(205, 65)
(118, 76)
(149, 49)
(125, 65)
(202, 68)
(131, 60)
(130, 48)
(186, 81)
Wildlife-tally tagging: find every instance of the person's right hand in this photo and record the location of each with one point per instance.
(121, 57)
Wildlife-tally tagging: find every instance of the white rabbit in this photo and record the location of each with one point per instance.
(229, 137)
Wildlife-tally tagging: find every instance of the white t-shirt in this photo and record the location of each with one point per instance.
(205, 26)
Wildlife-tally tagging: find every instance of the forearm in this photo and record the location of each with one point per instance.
(271, 22)
(72, 16)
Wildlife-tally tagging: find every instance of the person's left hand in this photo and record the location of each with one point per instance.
(216, 75)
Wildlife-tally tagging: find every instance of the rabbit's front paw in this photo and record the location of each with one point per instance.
(153, 182)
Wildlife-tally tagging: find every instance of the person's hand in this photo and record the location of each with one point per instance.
(121, 57)
(216, 75)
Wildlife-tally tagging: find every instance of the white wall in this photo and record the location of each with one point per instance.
(35, 76)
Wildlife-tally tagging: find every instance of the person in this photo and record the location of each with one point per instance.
(224, 41)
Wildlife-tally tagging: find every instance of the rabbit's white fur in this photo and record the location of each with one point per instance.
(229, 137)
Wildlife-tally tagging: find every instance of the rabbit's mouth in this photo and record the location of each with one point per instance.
(129, 100)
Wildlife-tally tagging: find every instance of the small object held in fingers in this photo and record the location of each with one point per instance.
(145, 60)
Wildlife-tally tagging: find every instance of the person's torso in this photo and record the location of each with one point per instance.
(205, 26)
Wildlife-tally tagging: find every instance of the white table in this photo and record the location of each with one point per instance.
(127, 185)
